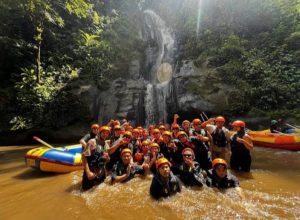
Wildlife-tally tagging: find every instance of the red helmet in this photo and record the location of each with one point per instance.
(220, 119)
(196, 121)
(239, 123)
(162, 161)
(219, 161)
(94, 126)
(104, 128)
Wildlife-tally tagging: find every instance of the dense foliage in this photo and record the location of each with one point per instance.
(253, 45)
(49, 49)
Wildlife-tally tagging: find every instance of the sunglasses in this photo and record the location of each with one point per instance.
(175, 128)
(127, 137)
(188, 155)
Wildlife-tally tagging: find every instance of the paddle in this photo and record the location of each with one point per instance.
(292, 126)
(204, 115)
(42, 142)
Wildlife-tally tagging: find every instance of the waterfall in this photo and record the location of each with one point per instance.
(158, 64)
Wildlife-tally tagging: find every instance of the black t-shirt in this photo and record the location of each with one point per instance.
(229, 181)
(159, 188)
(120, 169)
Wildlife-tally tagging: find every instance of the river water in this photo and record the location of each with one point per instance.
(272, 191)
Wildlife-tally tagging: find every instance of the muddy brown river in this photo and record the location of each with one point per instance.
(272, 191)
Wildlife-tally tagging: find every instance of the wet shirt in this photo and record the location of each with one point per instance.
(229, 181)
(162, 189)
(120, 169)
(238, 149)
(191, 176)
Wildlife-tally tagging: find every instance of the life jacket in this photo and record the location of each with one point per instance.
(238, 149)
(219, 137)
(96, 159)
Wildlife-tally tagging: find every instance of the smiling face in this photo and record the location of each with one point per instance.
(126, 157)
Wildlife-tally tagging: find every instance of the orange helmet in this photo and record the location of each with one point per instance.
(104, 128)
(128, 134)
(117, 127)
(219, 161)
(181, 133)
(94, 126)
(126, 150)
(239, 123)
(162, 161)
(168, 133)
(145, 142)
(220, 119)
(135, 131)
(196, 121)
(175, 126)
(154, 145)
(155, 131)
(162, 127)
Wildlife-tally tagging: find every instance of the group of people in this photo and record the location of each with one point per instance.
(194, 153)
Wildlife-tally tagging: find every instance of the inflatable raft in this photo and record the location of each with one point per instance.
(277, 141)
(58, 160)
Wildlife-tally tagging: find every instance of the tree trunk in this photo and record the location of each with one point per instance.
(38, 62)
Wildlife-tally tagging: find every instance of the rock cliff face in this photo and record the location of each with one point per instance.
(157, 87)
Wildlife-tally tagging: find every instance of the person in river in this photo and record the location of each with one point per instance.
(220, 137)
(220, 179)
(167, 146)
(164, 182)
(92, 134)
(190, 172)
(116, 134)
(202, 153)
(154, 156)
(116, 149)
(241, 145)
(125, 169)
(94, 158)
(186, 126)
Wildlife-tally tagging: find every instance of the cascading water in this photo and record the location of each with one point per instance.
(159, 61)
